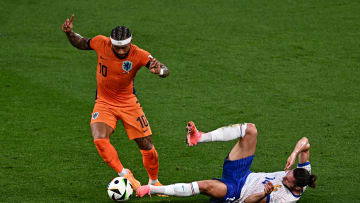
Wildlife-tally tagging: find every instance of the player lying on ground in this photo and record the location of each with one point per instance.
(238, 183)
(118, 62)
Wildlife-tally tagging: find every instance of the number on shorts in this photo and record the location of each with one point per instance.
(143, 122)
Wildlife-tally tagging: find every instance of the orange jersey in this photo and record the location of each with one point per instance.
(115, 77)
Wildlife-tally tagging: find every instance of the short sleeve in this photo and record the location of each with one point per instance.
(96, 42)
(306, 166)
(144, 57)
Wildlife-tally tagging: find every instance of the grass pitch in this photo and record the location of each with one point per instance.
(290, 67)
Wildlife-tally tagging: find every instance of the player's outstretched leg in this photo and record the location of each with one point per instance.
(213, 188)
(226, 133)
(178, 189)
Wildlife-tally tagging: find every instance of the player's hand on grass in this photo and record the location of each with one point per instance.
(290, 162)
(268, 188)
(67, 27)
(155, 66)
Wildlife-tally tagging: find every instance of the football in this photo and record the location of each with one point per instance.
(119, 189)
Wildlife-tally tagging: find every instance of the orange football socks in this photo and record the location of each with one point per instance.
(109, 154)
(151, 162)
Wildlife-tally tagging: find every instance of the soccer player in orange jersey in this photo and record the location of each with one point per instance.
(118, 62)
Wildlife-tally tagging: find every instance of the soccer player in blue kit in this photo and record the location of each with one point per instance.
(238, 183)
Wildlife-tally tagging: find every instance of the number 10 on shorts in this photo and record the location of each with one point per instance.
(143, 122)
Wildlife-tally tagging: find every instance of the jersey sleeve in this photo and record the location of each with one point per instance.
(279, 198)
(306, 166)
(96, 42)
(144, 57)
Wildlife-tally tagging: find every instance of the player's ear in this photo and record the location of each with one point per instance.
(298, 188)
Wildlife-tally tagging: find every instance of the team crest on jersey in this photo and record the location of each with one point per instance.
(127, 66)
(95, 115)
(276, 187)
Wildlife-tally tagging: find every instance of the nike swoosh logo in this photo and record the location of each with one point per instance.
(146, 130)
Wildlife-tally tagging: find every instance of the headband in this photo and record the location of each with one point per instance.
(121, 42)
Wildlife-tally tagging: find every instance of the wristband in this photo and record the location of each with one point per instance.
(161, 71)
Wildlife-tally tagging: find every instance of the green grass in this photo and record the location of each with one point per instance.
(290, 67)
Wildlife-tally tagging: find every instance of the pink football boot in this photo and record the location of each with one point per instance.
(143, 190)
(193, 135)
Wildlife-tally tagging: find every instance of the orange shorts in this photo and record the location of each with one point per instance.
(132, 117)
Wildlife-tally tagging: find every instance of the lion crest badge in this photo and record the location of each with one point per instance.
(127, 66)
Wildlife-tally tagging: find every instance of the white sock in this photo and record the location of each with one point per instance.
(226, 133)
(123, 172)
(178, 189)
(152, 182)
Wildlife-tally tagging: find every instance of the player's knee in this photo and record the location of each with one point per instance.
(213, 188)
(99, 135)
(101, 131)
(144, 143)
(251, 130)
(204, 187)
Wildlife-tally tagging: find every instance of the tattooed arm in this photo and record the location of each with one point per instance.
(74, 38)
(78, 41)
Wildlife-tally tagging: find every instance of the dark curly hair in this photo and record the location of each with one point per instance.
(304, 178)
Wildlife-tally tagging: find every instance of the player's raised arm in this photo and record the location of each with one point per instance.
(74, 38)
(302, 150)
(156, 67)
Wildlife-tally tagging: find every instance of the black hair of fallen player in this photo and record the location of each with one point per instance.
(304, 178)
